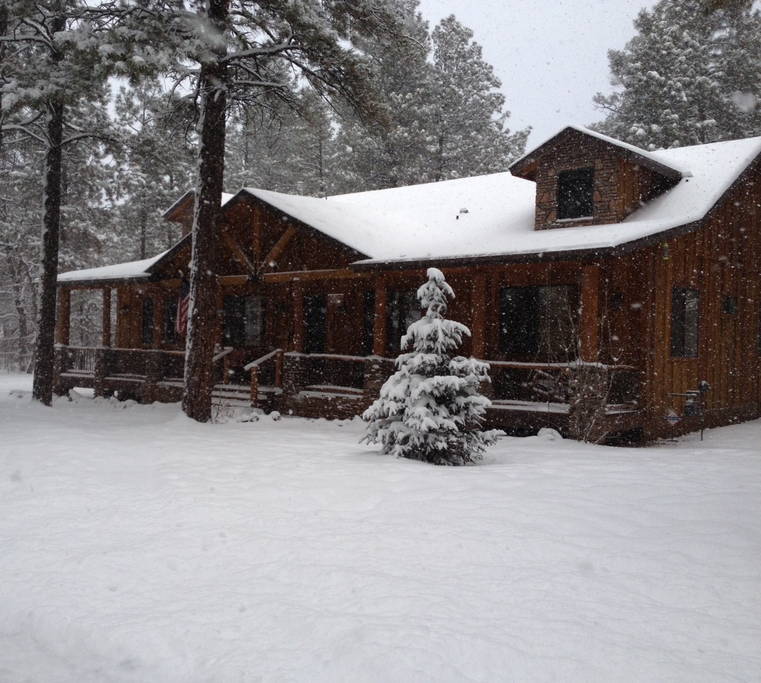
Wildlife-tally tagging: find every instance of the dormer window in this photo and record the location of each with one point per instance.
(576, 193)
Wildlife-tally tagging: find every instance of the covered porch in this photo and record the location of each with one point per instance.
(320, 343)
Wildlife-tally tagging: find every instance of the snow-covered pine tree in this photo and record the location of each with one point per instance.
(49, 66)
(154, 164)
(282, 146)
(470, 131)
(431, 408)
(446, 114)
(689, 76)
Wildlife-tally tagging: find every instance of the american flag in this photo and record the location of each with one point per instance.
(181, 324)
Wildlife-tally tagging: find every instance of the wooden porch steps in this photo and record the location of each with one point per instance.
(239, 396)
(231, 395)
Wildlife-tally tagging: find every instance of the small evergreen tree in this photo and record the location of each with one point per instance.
(430, 409)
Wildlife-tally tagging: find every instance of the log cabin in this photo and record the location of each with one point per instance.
(613, 290)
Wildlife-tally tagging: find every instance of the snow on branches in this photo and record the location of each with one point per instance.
(431, 408)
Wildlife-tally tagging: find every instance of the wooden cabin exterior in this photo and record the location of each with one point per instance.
(627, 303)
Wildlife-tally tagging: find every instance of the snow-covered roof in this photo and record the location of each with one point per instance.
(120, 271)
(494, 214)
(130, 270)
(490, 215)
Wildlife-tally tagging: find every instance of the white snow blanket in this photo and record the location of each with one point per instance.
(138, 546)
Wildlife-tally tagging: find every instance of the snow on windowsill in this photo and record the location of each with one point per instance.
(565, 221)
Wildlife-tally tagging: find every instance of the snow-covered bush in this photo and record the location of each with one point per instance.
(431, 408)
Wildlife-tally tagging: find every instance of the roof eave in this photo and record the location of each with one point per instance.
(103, 283)
(167, 215)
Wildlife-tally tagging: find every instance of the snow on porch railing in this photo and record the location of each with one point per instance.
(226, 351)
(255, 366)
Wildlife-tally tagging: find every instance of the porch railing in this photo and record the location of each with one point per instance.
(113, 366)
(560, 384)
(571, 388)
(78, 358)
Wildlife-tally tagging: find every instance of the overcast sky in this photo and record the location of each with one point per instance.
(551, 55)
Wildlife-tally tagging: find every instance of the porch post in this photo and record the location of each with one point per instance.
(380, 320)
(220, 302)
(298, 318)
(159, 318)
(478, 305)
(63, 320)
(589, 327)
(106, 318)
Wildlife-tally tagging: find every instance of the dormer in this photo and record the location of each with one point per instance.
(585, 178)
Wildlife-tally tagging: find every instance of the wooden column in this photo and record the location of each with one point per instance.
(220, 304)
(106, 318)
(298, 318)
(256, 236)
(380, 320)
(589, 327)
(478, 305)
(122, 337)
(63, 319)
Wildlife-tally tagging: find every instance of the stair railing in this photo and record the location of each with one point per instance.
(254, 367)
(222, 356)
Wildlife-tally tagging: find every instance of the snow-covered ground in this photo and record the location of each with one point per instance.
(138, 546)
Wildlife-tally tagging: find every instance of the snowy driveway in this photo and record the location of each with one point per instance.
(138, 546)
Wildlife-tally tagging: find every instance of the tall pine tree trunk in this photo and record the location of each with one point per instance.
(44, 352)
(202, 327)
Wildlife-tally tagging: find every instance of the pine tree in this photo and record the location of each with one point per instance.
(50, 67)
(689, 76)
(396, 153)
(154, 165)
(282, 146)
(471, 137)
(431, 408)
(447, 117)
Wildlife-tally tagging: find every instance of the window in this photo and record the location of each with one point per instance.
(538, 321)
(244, 320)
(147, 321)
(729, 305)
(170, 321)
(254, 320)
(403, 310)
(576, 193)
(685, 305)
